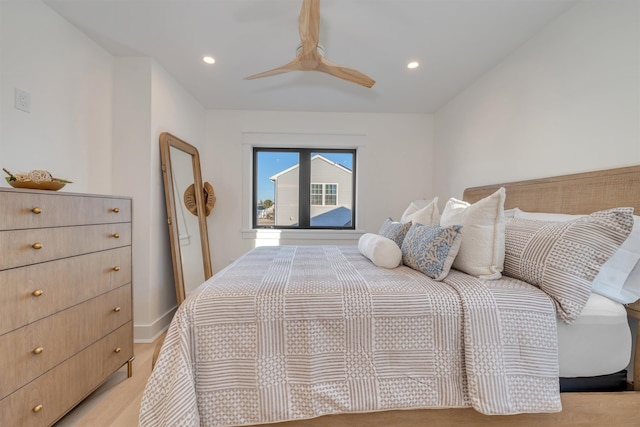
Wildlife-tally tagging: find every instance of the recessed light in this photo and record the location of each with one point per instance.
(209, 60)
(412, 65)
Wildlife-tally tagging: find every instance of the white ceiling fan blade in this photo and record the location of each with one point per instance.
(345, 73)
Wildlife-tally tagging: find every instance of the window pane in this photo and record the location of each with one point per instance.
(316, 194)
(334, 172)
(331, 192)
(277, 177)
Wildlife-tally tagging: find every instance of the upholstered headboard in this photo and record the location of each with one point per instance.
(580, 193)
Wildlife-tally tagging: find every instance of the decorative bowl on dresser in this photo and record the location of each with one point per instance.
(65, 300)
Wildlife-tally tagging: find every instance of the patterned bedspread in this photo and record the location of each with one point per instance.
(296, 332)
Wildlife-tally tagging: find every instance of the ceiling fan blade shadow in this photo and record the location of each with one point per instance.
(345, 73)
(294, 65)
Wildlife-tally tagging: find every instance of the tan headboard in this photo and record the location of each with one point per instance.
(580, 193)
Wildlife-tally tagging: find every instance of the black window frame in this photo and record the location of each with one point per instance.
(304, 188)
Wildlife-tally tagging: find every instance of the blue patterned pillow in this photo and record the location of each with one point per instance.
(431, 249)
(394, 230)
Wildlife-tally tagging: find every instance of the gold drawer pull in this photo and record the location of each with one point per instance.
(116, 268)
(116, 210)
(38, 350)
(37, 246)
(117, 309)
(37, 408)
(37, 292)
(116, 235)
(36, 211)
(117, 350)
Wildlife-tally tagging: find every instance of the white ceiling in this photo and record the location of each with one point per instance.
(455, 41)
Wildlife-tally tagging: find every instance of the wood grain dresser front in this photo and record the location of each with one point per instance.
(66, 321)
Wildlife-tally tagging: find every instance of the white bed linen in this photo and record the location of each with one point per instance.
(598, 342)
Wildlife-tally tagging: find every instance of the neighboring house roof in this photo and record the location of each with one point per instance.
(340, 217)
(317, 156)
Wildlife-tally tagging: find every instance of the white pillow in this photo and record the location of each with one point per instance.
(423, 212)
(619, 277)
(381, 251)
(511, 213)
(481, 253)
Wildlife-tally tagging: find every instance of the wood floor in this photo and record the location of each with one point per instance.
(116, 403)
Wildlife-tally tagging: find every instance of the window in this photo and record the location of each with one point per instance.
(303, 188)
(316, 195)
(324, 194)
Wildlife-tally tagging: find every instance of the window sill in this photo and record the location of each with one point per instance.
(272, 234)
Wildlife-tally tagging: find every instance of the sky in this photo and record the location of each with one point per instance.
(272, 162)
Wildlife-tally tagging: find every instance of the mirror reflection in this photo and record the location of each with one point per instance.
(187, 222)
(186, 214)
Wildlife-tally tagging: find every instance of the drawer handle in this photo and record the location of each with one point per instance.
(117, 350)
(36, 211)
(37, 408)
(116, 210)
(37, 292)
(116, 268)
(38, 350)
(117, 309)
(37, 246)
(116, 235)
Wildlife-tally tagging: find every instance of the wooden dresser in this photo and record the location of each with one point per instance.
(65, 300)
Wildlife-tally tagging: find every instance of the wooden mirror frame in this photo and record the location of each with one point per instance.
(167, 141)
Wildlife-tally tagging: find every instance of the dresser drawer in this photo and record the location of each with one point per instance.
(31, 293)
(28, 352)
(25, 247)
(63, 387)
(21, 209)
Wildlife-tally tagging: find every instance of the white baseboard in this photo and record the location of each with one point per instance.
(146, 334)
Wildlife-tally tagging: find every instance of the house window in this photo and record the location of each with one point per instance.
(324, 194)
(298, 188)
(316, 194)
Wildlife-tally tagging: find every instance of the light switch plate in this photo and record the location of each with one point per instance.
(23, 100)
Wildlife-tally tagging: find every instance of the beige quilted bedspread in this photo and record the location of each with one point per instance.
(296, 332)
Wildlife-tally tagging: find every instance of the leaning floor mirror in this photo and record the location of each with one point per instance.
(187, 211)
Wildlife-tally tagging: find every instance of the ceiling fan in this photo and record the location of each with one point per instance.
(308, 57)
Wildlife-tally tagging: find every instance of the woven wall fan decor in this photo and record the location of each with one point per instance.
(209, 199)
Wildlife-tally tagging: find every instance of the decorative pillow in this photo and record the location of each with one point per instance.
(423, 212)
(482, 250)
(562, 258)
(394, 230)
(381, 251)
(619, 277)
(431, 249)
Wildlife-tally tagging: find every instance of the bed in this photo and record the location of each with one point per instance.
(438, 344)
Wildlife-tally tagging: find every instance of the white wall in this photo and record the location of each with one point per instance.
(69, 79)
(147, 102)
(132, 177)
(96, 120)
(175, 111)
(566, 101)
(394, 166)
